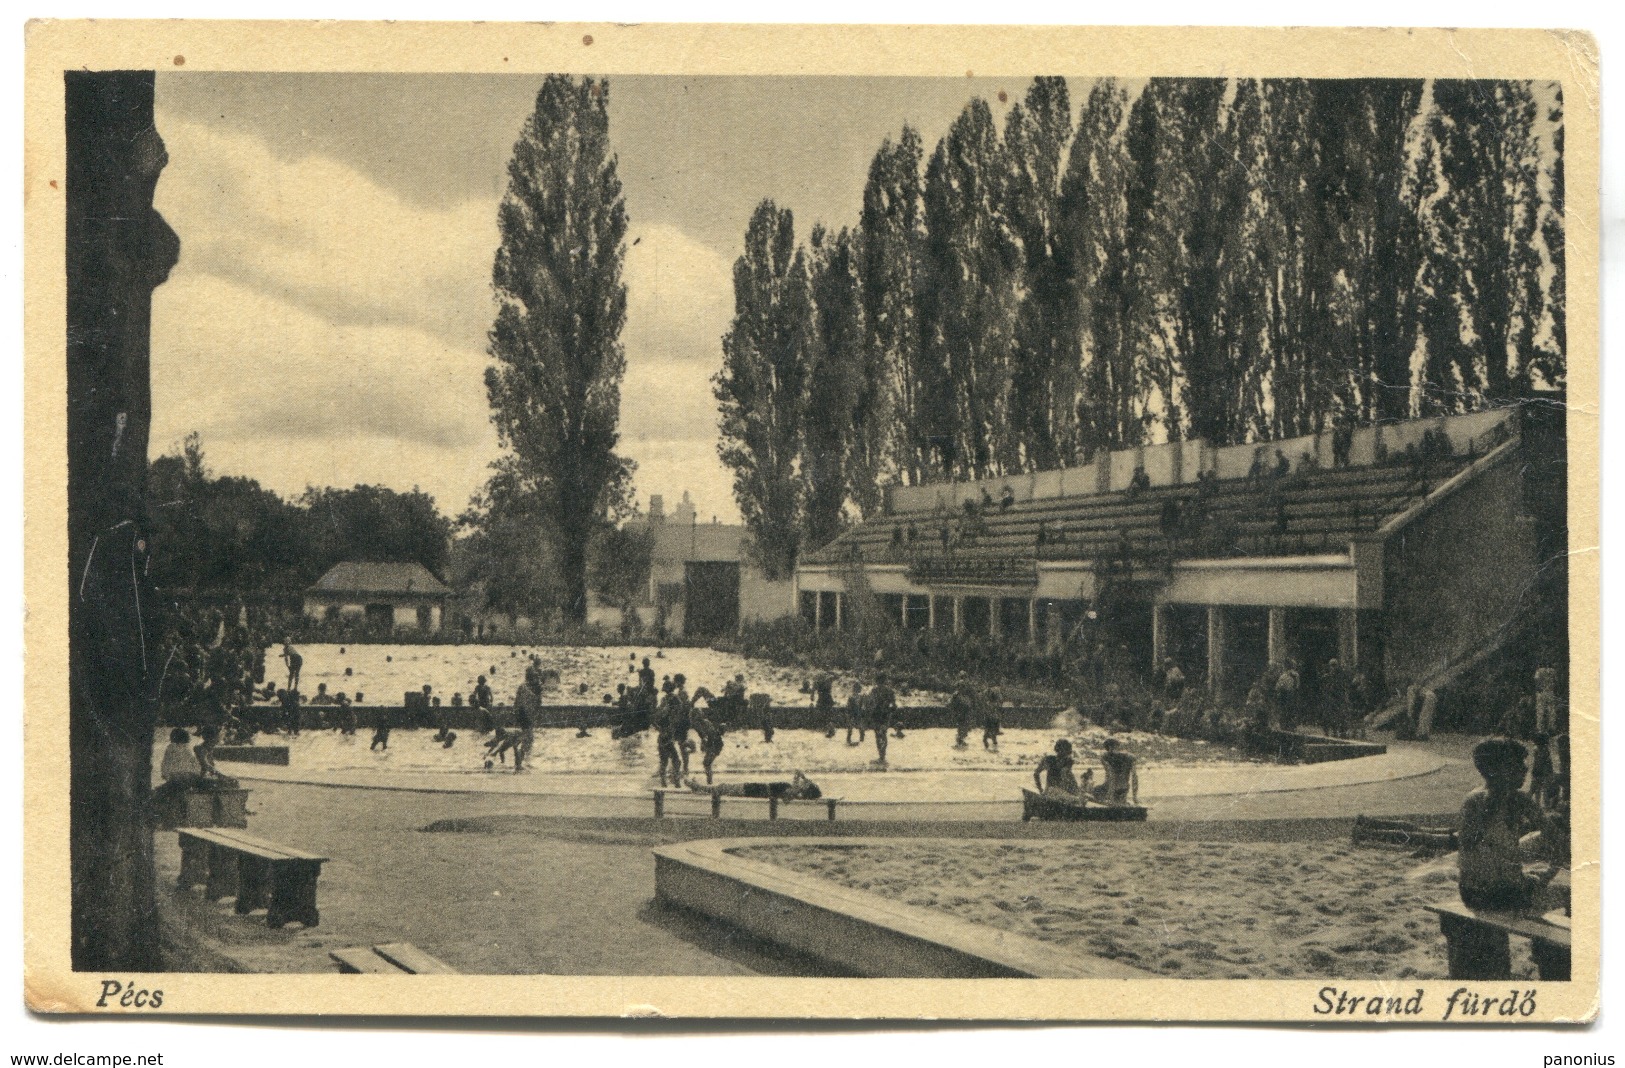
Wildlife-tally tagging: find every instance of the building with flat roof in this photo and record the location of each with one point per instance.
(701, 574)
(1410, 549)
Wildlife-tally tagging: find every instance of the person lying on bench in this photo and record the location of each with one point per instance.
(1493, 820)
(800, 788)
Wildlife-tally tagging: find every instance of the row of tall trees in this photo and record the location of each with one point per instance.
(1235, 260)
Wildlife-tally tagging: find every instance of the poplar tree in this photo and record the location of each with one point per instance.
(1094, 233)
(1044, 384)
(891, 247)
(1488, 213)
(968, 307)
(834, 462)
(761, 390)
(555, 389)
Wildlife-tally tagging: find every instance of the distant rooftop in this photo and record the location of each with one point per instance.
(355, 576)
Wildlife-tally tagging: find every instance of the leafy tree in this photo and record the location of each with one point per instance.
(834, 462)
(507, 556)
(223, 535)
(1182, 246)
(376, 523)
(555, 389)
(968, 308)
(1044, 386)
(1386, 245)
(761, 388)
(1551, 363)
(618, 564)
(893, 423)
(1094, 232)
(1487, 212)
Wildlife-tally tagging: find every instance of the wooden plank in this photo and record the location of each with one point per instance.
(249, 843)
(362, 960)
(1509, 922)
(203, 834)
(409, 958)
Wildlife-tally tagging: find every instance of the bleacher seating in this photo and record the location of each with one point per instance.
(1304, 513)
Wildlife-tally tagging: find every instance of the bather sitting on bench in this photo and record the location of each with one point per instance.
(1122, 785)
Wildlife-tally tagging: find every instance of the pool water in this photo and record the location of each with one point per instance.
(385, 673)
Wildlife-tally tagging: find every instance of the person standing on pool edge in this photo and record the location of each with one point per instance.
(526, 706)
(882, 712)
(481, 701)
(295, 663)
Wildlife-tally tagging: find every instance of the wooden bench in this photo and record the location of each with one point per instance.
(258, 873)
(394, 958)
(773, 803)
(1479, 946)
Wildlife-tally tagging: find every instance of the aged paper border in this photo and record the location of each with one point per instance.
(50, 983)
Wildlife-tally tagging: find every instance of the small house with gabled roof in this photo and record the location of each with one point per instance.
(387, 596)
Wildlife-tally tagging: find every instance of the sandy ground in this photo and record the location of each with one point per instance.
(385, 672)
(564, 884)
(562, 900)
(1210, 910)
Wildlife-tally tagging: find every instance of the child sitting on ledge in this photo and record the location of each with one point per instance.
(1494, 821)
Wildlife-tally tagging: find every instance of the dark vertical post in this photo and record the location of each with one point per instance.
(118, 250)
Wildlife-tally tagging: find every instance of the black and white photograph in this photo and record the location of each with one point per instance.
(612, 522)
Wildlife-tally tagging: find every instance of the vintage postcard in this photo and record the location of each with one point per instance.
(852, 522)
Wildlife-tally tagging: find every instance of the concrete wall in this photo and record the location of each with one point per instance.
(763, 600)
(1298, 585)
(1457, 574)
(404, 612)
(1178, 462)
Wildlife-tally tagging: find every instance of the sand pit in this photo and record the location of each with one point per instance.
(1194, 910)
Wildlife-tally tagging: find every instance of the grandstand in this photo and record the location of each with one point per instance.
(1403, 548)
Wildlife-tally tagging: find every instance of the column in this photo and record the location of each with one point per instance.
(903, 612)
(1215, 649)
(930, 611)
(1032, 621)
(839, 598)
(992, 617)
(1277, 642)
(1348, 637)
(818, 611)
(1159, 635)
(959, 615)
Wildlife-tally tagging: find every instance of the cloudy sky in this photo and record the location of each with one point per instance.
(326, 323)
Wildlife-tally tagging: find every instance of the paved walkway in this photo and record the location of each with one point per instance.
(562, 884)
(936, 788)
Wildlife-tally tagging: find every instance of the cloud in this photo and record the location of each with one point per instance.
(319, 329)
(679, 304)
(295, 399)
(679, 296)
(323, 236)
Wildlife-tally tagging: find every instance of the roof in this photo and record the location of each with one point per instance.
(698, 542)
(355, 576)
